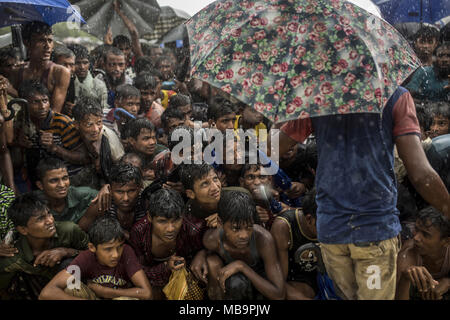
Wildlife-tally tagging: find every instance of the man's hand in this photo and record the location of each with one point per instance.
(228, 271)
(7, 250)
(438, 291)
(46, 139)
(297, 189)
(175, 263)
(421, 278)
(49, 258)
(263, 214)
(116, 6)
(97, 288)
(211, 221)
(108, 38)
(199, 266)
(24, 141)
(103, 198)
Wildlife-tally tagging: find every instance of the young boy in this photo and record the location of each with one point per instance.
(142, 139)
(290, 230)
(43, 244)
(149, 88)
(108, 270)
(165, 240)
(243, 263)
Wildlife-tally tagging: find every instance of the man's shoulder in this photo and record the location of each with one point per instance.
(235, 188)
(82, 192)
(66, 228)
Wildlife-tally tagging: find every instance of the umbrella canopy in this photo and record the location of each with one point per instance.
(177, 33)
(169, 18)
(100, 15)
(299, 58)
(399, 11)
(49, 11)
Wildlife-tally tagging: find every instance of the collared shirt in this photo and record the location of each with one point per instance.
(6, 198)
(77, 202)
(355, 179)
(68, 235)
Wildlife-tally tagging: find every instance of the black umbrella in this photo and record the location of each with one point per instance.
(169, 18)
(177, 33)
(100, 14)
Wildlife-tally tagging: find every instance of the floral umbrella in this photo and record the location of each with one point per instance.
(299, 58)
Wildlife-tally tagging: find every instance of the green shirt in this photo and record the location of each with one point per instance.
(77, 202)
(68, 235)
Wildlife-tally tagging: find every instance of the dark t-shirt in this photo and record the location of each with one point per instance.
(118, 277)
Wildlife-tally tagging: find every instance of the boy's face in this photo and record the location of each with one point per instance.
(115, 66)
(187, 111)
(226, 122)
(427, 239)
(149, 95)
(40, 226)
(206, 189)
(82, 67)
(443, 61)
(109, 253)
(166, 68)
(40, 47)
(55, 183)
(68, 62)
(125, 195)
(291, 153)
(90, 127)
(131, 104)
(145, 142)
(9, 66)
(126, 49)
(251, 116)
(238, 235)
(166, 229)
(252, 181)
(439, 127)
(39, 106)
(173, 123)
(425, 46)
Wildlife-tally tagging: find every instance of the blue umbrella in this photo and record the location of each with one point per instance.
(400, 11)
(14, 12)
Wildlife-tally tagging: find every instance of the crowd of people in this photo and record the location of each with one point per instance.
(355, 211)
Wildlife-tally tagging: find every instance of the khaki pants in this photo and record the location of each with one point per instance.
(363, 272)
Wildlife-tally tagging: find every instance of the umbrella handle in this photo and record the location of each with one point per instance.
(123, 111)
(21, 102)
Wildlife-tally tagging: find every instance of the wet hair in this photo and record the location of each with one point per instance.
(48, 164)
(136, 127)
(145, 80)
(427, 32)
(444, 45)
(311, 155)
(35, 27)
(5, 54)
(424, 116)
(129, 156)
(440, 109)
(111, 50)
(146, 49)
(124, 173)
(161, 59)
(121, 39)
(86, 106)
(194, 172)
(26, 206)
(143, 64)
(29, 88)
(99, 52)
(171, 113)
(430, 217)
(236, 207)
(309, 203)
(80, 51)
(125, 91)
(166, 203)
(105, 229)
(179, 100)
(249, 167)
(62, 51)
(219, 107)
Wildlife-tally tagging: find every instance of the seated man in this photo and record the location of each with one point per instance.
(43, 132)
(290, 230)
(128, 98)
(142, 139)
(102, 144)
(243, 263)
(108, 270)
(432, 82)
(43, 245)
(164, 237)
(424, 264)
(127, 205)
(85, 84)
(81, 205)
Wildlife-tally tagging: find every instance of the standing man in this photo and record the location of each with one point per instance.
(357, 218)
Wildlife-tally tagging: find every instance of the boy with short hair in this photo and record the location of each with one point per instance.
(142, 139)
(109, 269)
(43, 244)
(243, 263)
(425, 42)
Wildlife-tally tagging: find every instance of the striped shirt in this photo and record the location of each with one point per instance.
(6, 198)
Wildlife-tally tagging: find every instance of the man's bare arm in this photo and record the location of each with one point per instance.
(54, 290)
(135, 44)
(423, 177)
(62, 81)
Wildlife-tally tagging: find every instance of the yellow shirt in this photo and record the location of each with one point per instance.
(259, 126)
